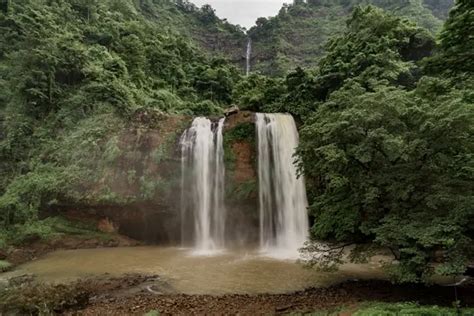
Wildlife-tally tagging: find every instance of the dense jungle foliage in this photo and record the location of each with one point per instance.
(386, 141)
(72, 75)
(386, 114)
(298, 34)
(388, 149)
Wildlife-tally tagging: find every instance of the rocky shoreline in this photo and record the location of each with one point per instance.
(138, 294)
(316, 299)
(38, 248)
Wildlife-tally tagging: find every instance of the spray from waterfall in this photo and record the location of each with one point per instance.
(248, 56)
(202, 186)
(282, 195)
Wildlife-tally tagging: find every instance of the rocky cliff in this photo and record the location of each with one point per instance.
(241, 180)
(137, 179)
(138, 189)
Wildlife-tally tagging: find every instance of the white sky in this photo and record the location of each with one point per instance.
(243, 12)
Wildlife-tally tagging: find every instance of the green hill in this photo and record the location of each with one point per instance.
(297, 35)
(209, 32)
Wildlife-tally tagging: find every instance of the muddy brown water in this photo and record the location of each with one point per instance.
(232, 272)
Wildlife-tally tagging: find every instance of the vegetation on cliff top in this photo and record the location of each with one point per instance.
(201, 25)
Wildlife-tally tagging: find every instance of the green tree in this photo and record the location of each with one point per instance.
(393, 168)
(457, 43)
(390, 163)
(5, 5)
(259, 93)
(375, 47)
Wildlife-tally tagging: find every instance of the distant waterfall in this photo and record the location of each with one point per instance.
(282, 196)
(202, 185)
(248, 56)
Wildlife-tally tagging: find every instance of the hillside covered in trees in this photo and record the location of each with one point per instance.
(386, 141)
(74, 74)
(384, 104)
(298, 34)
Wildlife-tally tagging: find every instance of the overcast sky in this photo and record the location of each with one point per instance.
(243, 12)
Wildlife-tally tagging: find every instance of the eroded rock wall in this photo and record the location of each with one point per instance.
(137, 179)
(241, 178)
(137, 192)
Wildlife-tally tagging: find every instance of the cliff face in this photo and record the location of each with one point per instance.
(137, 192)
(137, 180)
(241, 177)
(230, 44)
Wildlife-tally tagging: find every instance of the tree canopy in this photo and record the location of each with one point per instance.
(389, 162)
(297, 36)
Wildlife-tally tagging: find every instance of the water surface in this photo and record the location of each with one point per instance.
(230, 272)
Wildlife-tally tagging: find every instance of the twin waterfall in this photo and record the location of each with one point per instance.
(283, 222)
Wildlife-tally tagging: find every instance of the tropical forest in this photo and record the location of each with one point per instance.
(158, 158)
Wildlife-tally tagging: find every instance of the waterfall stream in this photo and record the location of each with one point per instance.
(283, 223)
(202, 186)
(248, 56)
(282, 195)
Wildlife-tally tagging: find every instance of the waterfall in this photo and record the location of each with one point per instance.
(202, 186)
(248, 56)
(282, 195)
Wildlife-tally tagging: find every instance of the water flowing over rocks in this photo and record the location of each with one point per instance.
(202, 185)
(283, 219)
(248, 57)
(236, 176)
(282, 195)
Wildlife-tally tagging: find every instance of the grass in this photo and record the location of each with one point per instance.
(5, 266)
(47, 229)
(393, 309)
(409, 309)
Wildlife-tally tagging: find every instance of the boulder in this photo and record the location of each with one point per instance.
(232, 110)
